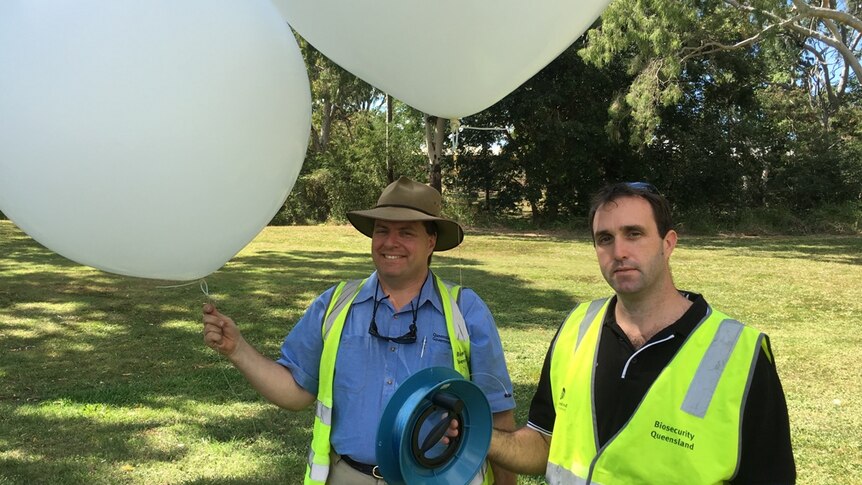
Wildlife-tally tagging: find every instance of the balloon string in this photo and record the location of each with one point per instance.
(460, 267)
(202, 283)
(505, 392)
(483, 128)
(180, 285)
(205, 289)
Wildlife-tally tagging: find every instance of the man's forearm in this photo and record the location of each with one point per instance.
(522, 451)
(273, 381)
(504, 421)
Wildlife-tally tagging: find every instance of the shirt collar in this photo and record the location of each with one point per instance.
(427, 294)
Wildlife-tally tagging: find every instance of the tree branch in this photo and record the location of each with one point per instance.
(848, 55)
(713, 47)
(827, 74)
(828, 13)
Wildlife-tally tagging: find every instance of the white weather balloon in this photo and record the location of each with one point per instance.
(449, 58)
(150, 139)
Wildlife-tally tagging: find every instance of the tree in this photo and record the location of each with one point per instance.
(818, 45)
(354, 149)
(557, 151)
(435, 135)
(738, 104)
(336, 95)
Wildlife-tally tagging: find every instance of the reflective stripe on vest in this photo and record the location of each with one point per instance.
(686, 428)
(711, 367)
(317, 469)
(456, 328)
(557, 475)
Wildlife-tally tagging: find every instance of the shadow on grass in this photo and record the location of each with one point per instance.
(832, 249)
(74, 338)
(87, 450)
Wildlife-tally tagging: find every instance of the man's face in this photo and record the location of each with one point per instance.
(632, 256)
(400, 250)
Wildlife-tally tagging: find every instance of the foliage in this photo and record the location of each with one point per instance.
(555, 151)
(817, 47)
(345, 165)
(660, 90)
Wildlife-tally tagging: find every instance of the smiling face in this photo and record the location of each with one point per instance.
(400, 251)
(632, 255)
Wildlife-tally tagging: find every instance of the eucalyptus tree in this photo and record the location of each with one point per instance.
(555, 149)
(817, 45)
(352, 147)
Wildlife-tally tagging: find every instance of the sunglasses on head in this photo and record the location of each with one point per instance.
(644, 186)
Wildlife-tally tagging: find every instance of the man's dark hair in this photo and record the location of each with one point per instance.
(431, 229)
(612, 192)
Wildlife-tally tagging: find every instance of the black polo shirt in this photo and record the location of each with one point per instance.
(766, 454)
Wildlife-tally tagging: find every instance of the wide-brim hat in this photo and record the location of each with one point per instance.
(405, 201)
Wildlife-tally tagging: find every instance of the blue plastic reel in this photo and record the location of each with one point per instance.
(408, 447)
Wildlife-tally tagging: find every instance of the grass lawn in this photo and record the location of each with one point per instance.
(105, 379)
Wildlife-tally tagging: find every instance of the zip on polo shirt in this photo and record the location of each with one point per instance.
(626, 367)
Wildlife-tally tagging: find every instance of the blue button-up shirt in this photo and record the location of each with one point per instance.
(369, 369)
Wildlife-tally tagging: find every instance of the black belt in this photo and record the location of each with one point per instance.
(370, 470)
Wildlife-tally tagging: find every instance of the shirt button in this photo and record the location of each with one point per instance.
(392, 349)
(395, 316)
(389, 381)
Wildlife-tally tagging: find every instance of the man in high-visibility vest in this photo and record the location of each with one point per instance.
(652, 385)
(360, 339)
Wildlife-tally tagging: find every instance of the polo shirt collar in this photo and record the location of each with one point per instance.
(680, 328)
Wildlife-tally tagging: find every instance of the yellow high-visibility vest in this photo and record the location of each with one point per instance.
(686, 429)
(317, 469)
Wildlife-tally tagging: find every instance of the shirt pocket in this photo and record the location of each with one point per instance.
(438, 353)
(351, 365)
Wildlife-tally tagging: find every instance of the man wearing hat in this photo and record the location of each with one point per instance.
(360, 339)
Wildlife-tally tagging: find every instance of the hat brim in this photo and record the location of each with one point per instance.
(449, 233)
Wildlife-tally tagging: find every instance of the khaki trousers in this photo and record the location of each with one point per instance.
(340, 473)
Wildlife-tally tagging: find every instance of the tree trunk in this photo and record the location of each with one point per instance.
(434, 134)
(488, 192)
(322, 142)
(390, 170)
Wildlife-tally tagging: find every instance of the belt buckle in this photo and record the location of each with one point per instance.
(375, 472)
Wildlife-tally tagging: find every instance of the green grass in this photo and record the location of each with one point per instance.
(105, 379)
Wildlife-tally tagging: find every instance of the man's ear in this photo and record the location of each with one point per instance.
(669, 242)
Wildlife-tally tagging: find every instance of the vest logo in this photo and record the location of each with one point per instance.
(671, 434)
(561, 404)
(440, 338)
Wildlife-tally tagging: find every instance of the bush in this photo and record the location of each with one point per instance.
(766, 221)
(843, 218)
(836, 218)
(308, 202)
(699, 220)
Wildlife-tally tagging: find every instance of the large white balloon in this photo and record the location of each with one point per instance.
(449, 58)
(150, 139)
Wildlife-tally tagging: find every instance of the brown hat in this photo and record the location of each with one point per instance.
(406, 200)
